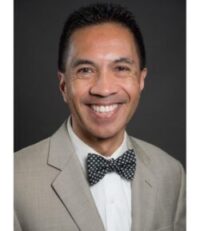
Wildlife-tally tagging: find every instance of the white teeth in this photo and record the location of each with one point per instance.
(102, 108)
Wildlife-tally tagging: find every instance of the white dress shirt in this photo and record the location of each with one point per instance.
(112, 194)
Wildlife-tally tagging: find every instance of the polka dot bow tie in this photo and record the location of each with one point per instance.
(98, 166)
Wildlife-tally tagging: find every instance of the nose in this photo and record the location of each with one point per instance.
(104, 85)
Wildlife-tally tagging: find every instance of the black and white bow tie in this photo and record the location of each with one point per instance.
(98, 166)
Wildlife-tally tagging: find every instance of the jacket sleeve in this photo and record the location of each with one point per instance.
(180, 217)
(17, 226)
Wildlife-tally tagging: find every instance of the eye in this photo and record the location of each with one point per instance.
(84, 70)
(122, 68)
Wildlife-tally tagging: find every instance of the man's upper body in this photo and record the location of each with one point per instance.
(52, 192)
(101, 75)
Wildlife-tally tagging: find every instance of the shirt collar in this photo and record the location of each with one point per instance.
(82, 149)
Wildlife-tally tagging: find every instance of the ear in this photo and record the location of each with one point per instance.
(62, 85)
(143, 75)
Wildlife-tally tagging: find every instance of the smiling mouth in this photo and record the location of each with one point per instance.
(104, 108)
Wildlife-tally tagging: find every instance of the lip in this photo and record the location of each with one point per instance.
(104, 112)
(104, 108)
(112, 99)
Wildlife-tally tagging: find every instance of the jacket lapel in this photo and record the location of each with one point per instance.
(72, 188)
(143, 191)
(70, 185)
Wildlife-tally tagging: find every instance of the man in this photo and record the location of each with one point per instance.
(90, 175)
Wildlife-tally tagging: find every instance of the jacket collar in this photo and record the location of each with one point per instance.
(73, 190)
(143, 190)
(71, 185)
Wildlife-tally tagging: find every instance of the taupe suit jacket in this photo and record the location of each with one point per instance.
(52, 193)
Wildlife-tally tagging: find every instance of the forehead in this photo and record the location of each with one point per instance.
(101, 41)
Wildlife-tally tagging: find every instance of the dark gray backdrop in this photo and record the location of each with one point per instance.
(39, 108)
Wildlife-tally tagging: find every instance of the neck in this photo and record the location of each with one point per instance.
(105, 147)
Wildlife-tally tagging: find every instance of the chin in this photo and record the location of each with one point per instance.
(104, 133)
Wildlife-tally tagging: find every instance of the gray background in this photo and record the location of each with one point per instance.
(39, 108)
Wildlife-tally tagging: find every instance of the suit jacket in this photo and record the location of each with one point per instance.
(52, 193)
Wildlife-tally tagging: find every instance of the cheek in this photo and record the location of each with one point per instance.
(77, 90)
(132, 89)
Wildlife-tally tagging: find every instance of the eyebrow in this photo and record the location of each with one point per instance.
(124, 60)
(82, 62)
(89, 62)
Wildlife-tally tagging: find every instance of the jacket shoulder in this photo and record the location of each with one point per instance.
(32, 155)
(159, 160)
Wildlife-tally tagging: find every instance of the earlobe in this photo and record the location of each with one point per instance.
(62, 85)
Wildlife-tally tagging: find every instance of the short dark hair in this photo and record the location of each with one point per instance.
(95, 14)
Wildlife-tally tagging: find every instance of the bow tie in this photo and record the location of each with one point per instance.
(98, 166)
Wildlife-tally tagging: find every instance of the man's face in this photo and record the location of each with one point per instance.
(103, 81)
